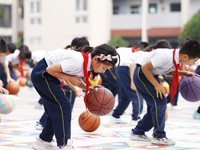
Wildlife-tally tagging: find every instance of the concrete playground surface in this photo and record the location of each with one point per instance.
(17, 131)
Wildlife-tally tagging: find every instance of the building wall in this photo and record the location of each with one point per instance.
(162, 19)
(59, 23)
(11, 31)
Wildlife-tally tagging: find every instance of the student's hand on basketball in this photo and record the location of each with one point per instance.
(3, 90)
(10, 80)
(160, 91)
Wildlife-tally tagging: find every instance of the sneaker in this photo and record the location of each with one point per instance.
(114, 120)
(162, 141)
(196, 115)
(176, 107)
(38, 125)
(42, 145)
(68, 146)
(136, 137)
(133, 122)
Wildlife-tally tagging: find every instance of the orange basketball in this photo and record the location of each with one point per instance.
(166, 115)
(13, 88)
(22, 82)
(89, 122)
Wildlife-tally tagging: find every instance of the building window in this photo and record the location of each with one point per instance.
(115, 10)
(35, 7)
(35, 41)
(35, 21)
(175, 7)
(81, 5)
(5, 16)
(135, 9)
(81, 19)
(153, 8)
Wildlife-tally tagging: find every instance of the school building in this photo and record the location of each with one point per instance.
(50, 24)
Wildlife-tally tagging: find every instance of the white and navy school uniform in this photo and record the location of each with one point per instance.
(12, 59)
(125, 93)
(56, 104)
(162, 61)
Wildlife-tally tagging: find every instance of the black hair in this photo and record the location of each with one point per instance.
(183, 41)
(142, 45)
(25, 53)
(79, 42)
(191, 48)
(105, 50)
(3, 46)
(159, 44)
(11, 47)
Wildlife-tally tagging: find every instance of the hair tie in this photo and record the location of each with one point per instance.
(102, 57)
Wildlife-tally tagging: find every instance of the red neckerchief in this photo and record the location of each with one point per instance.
(86, 74)
(21, 62)
(62, 84)
(174, 83)
(133, 49)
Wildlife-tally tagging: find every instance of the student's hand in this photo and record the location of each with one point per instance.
(78, 92)
(3, 90)
(160, 91)
(10, 80)
(133, 87)
(75, 80)
(192, 74)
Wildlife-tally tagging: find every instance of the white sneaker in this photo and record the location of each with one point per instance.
(136, 137)
(176, 107)
(114, 120)
(68, 146)
(42, 145)
(133, 122)
(162, 141)
(38, 125)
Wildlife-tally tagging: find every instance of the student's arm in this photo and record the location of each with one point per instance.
(76, 89)
(160, 91)
(132, 69)
(7, 71)
(56, 71)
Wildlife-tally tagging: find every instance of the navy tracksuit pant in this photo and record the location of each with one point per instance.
(56, 104)
(197, 71)
(156, 107)
(71, 95)
(127, 95)
(109, 81)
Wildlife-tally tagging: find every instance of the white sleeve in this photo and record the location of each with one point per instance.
(158, 60)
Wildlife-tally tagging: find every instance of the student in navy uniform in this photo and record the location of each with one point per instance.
(125, 93)
(3, 52)
(160, 62)
(47, 76)
(15, 61)
(70, 90)
(11, 48)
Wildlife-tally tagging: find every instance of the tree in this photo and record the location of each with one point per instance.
(118, 41)
(191, 28)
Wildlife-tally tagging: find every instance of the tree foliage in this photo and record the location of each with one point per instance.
(118, 41)
(191, 28)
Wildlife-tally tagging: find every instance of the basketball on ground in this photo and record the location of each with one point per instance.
(89, 122)
(13, 88)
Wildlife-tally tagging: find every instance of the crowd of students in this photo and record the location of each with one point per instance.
(134, 74)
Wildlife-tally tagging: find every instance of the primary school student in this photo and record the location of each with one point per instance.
(160, 62)
(47, 76)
